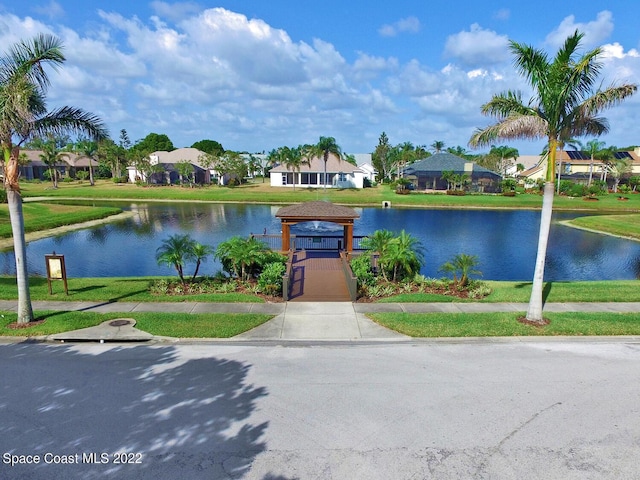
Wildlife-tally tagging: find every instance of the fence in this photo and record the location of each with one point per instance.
(309, 242)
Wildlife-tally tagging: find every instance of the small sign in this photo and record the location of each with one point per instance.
(56, 270)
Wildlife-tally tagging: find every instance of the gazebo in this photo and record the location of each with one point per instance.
(320, 211)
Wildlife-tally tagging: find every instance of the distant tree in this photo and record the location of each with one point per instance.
(88, 149)
(209, 146)
(185, 170)
(382, 158)
(437, 146)
(154, 142)
(326, 146)
(52, 155)
(504, 153)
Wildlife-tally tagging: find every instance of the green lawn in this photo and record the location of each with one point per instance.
(112, 289)
(44, 216)
(434, 325)
(210, 325)
(621, 225)
(519, 292)
(259, 192)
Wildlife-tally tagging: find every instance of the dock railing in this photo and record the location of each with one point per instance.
(287, 277)
(352, 280)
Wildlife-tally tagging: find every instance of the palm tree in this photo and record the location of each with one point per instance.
(378, 243)
(89, 149)
(405, 255)
(593, 147)
(464, 265)
(176, 251)
(241, 254)
(437, 146)
(50, 156)
(325, 147)
(564, 106)
(200, 254)
(24, 115)
(505, 153)
(293, 159)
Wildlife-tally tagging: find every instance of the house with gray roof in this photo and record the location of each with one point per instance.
(426, 174)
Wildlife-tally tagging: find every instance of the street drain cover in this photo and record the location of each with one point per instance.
(119, 323)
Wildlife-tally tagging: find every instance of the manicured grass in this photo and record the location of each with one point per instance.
(518, 292)
(622, 225)
(43, 216)
(433, 325)
(110, 290)
(211, 325)
(258, 192)
(133, 289)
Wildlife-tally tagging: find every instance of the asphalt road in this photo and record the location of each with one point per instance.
(513, 410)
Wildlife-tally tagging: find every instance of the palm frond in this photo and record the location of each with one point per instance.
(70, 120)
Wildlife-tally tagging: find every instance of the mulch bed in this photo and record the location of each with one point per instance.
(20, 326)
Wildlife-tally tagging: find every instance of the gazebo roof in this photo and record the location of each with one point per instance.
(319, 210)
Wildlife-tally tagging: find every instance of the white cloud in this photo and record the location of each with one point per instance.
(595, 32)
(477, 46)
(405, 25)
(175, 11)
(50, 10)
(502, 14)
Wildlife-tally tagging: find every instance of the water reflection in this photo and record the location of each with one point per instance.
(504, 241)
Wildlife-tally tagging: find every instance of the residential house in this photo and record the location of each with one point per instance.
(579, 167)
(339, 174)
(426, 174)
(169, 173)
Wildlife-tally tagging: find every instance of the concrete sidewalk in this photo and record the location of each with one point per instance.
(293, 321)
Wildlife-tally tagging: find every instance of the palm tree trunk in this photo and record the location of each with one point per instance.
(534, 312)
(25, 310)
(91, 181)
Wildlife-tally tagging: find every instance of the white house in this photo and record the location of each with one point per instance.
(339, 174)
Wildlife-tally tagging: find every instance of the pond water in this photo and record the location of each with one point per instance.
(504, 241)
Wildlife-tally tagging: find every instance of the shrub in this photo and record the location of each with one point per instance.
(82, 175)
(270, 280)
(578, 190)
(3, 196)
(361, 268)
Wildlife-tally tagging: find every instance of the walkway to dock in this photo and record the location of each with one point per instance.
(318, 277)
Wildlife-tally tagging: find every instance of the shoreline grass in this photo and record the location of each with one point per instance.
(46, 216)
(627, 226)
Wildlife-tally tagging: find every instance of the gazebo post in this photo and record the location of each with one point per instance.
(286, 237)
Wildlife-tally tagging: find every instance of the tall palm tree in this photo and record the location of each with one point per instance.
(566, 104)
(293, 159)
(325, 147)
(89, 149)
(593, 147)
(437, 146)
(24, 115)
(51, 155)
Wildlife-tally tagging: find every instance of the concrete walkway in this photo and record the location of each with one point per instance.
(293, 321)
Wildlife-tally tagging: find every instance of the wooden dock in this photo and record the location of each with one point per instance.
(318, 277)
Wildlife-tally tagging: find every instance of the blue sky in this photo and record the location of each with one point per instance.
(256, 75)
